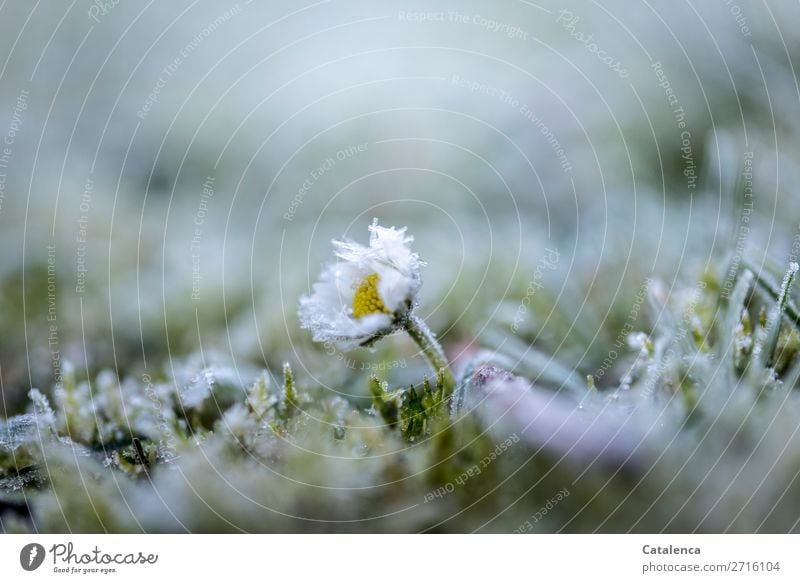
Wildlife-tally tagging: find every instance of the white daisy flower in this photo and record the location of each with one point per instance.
(368, 293)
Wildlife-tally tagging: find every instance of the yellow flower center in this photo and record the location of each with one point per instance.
(366, 299)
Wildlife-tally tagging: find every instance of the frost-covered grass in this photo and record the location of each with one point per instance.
(699, 434)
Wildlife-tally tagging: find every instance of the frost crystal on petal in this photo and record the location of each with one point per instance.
(387, 263)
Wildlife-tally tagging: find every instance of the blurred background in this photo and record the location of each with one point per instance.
(171, 174)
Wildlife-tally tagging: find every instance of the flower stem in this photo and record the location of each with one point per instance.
(425, 339)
